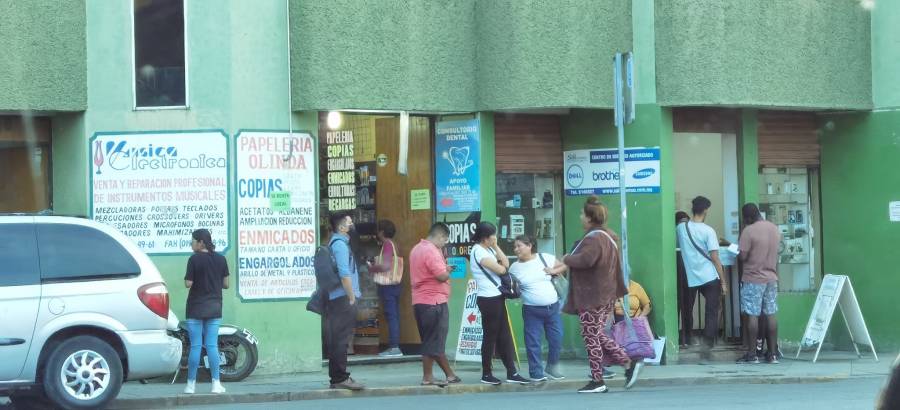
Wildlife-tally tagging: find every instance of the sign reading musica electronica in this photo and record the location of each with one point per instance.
(276, 223)
(158, 187)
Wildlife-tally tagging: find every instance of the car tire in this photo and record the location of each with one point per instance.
(83, 372)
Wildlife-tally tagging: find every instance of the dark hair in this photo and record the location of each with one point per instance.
(751, 214)
(680, 216)
(337, 219)
(387, 228)
(595, 211)
(483, 231)
(528, 240)
(203, 236)
(700, 204)
(439, 228)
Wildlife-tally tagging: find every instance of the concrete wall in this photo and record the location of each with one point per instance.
(886, 54)
(859, 179)
(42, 55)
(798, 53)
(536, 54)
(238, 78)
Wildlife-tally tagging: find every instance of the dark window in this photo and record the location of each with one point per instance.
(159, 70)
(18, 255)
(80, 252)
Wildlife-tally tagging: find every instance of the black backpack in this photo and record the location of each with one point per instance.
(327, 277)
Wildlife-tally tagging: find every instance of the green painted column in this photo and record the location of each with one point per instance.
(488, 167)
(748, 158)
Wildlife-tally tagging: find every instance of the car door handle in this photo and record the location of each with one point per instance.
(11, 342)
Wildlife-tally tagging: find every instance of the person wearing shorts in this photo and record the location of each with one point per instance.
(430, 282)
(759, 283)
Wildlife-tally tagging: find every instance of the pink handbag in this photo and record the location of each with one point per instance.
(638, 344)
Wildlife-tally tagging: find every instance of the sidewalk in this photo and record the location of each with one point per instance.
(404, 378)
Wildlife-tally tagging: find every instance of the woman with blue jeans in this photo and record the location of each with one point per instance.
(540, 308)
(387, 274)
(205, 277)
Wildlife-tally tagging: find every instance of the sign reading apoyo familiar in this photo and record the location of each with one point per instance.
(158, 187)
(457, 165)
(596, 171)
(276, 222)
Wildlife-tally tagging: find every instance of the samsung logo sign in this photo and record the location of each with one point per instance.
(644, 173)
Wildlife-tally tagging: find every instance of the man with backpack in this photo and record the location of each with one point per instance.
(340, 309)
(700, 252)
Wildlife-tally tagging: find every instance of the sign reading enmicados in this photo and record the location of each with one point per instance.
(158, 187)
(276, 201)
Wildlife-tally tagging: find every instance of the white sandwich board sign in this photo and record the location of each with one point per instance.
(835, 291)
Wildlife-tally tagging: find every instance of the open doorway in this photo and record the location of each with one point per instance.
(706, 164)
(375, 190)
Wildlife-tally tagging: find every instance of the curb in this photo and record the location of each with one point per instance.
(321, 394)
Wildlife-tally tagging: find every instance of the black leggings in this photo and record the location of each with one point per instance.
(497, 335)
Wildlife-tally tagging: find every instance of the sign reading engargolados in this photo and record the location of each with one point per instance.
(158, 187)
(596, 171)
(276, 200)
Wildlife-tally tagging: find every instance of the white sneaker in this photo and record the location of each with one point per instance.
(217, 387)
(392, 352)
(191, 387)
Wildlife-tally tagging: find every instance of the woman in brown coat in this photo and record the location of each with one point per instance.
(595, 283)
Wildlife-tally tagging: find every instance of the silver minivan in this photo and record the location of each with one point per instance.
(82, 310)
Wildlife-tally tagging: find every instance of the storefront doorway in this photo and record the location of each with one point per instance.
(379, 191)
(24, 164)
(706, 164)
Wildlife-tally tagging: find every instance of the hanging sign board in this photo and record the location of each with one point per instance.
(158, 187)
(836, 291)
(276, 221)
(471, 334)
(457, 166)
(596, 171)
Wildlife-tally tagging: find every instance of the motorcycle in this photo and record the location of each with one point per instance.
(238, 354)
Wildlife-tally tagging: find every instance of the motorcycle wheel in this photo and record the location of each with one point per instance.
(239, 358)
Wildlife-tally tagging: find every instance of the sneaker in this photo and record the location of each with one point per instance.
(392, 352)
(517, 379)
(631, 374)
(553, 373)
(217, 387)
(348, 384)
(539, 379)
(490, 380)
(191, 387)
(772, 359)
(593, 387)
(748, 358)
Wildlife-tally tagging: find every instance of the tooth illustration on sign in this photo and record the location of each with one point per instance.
(459, 159)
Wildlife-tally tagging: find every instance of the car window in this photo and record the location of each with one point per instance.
(18, 255)
(81, 252)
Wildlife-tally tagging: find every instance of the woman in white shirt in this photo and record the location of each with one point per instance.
(540, 307)
(488, 263)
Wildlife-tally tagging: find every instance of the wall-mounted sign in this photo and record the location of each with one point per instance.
(419, 199)
(457, 166)
(341, 180)
(596, 171)
(276, 223)
(158, 187)
(894, 211)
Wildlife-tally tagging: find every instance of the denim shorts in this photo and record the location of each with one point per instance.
(759, 297)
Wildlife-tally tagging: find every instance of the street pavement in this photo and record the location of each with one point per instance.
(846, 394)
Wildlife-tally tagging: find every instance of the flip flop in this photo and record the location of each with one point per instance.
(438, 383)
(454, 380)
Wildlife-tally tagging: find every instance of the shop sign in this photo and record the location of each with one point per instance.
(596, 171)
(471, 334)
(340, 167)
(457, 166)
(276, 221)
(158, 187)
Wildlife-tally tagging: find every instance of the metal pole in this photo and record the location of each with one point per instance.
(620, 127)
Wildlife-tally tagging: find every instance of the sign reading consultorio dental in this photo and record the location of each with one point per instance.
(457, 166)
(596, 171)
(158, 187)
(276, 199)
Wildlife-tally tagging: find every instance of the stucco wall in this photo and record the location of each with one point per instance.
(886, 54)
(42, 55)
(797, 53)
(536, 54)
(390, 54)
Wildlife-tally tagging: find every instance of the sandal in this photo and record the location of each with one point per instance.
(438, 383)
(454, 380)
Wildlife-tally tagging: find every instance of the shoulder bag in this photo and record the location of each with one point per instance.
(508, 286)
(395, 274)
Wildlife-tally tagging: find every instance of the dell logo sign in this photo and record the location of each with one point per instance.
(575, 176)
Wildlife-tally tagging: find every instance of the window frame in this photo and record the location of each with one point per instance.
(187, 77)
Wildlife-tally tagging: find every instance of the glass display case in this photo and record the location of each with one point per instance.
(529, 204)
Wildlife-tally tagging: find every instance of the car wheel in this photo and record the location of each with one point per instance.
(83, 372)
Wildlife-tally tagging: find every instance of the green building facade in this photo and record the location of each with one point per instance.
(748, 69)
